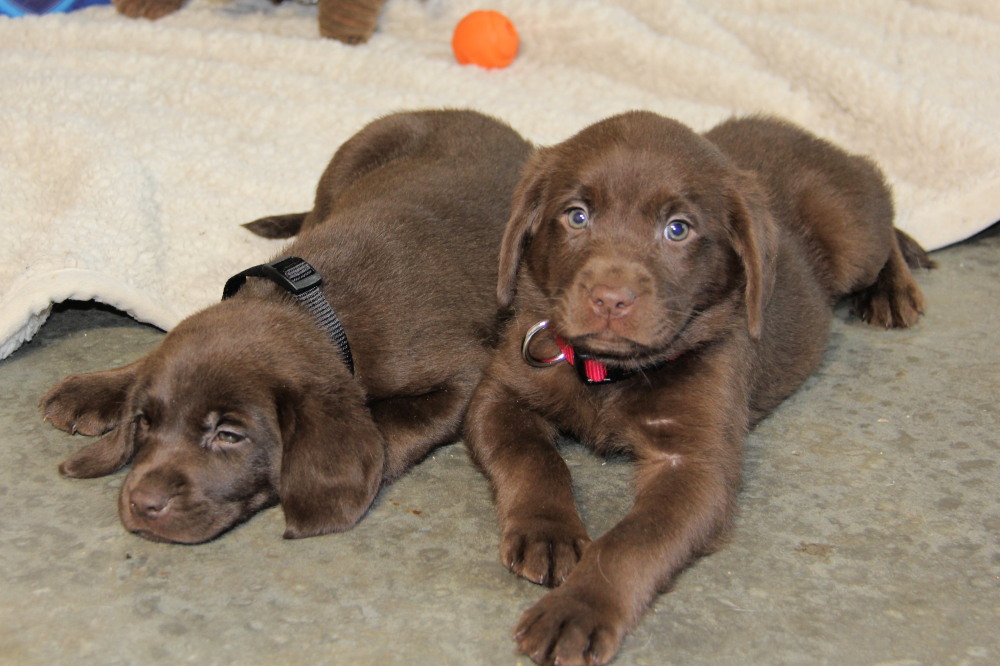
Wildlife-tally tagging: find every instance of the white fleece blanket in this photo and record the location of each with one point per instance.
(130, 151)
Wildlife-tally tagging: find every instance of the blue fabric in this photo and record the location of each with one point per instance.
(22, 7)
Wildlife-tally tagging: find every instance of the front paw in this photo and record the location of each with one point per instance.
(894, 300)
(69, 406)
(570, 629)
(543, 551)
(896, 307)
(88, 404)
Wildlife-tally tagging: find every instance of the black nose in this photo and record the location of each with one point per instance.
(614, 302)
(148, 504)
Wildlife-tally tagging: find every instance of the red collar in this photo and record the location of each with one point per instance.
(590, 370)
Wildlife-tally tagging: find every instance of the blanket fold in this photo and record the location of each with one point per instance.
(132, 150)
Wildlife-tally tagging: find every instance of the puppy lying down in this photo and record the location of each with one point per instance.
(313, 399)
(669, 290)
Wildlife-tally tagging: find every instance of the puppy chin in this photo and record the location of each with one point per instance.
(602, 338)
(626, 352)
(167, 533)
(153, 536)
(605, 343)
(601, 335)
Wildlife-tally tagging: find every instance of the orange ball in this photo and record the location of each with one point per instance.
(485, 38)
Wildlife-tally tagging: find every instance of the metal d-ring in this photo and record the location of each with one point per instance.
(526, 343)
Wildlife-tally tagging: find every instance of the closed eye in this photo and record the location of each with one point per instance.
(141, 424)
(226, 439)
(223, 430)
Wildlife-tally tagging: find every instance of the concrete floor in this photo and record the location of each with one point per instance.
(868, 533)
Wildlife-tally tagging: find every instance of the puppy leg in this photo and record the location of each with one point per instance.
(894, 300)
(683, 504)
(413, 425)
(542, 535)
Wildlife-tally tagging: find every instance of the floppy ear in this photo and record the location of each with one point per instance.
(527, 209)
(94, 404)
(331, 461)
(754, 235)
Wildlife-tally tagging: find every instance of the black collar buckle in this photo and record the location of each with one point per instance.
(279, 272)
(301, 280)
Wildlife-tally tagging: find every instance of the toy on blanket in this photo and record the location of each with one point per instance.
(485, 38)
(348, 21)
(23, 7)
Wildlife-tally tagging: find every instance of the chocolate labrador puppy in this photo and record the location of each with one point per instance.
(669, 290)
(330, 371)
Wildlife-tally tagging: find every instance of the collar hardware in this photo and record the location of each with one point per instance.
(301, 280)
(526, 344)
(590, 370)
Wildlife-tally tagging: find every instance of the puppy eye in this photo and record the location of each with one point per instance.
(141, 420)
(677, 229)
(577, 218)
(228, 437)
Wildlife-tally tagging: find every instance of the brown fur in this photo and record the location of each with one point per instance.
(781, 225)
(348, 21)
(247, 402)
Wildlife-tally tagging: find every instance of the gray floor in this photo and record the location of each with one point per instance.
(868, 533)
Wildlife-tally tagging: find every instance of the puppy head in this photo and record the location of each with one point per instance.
(640, 237)
(224, 419)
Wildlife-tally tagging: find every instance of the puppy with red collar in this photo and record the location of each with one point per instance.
(669, 290)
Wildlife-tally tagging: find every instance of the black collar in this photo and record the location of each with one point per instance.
(302, 281)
